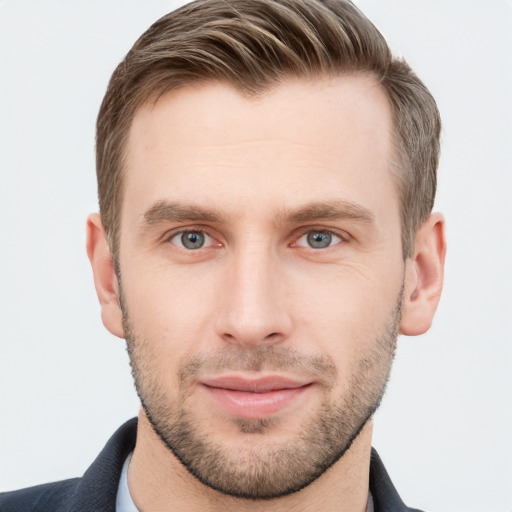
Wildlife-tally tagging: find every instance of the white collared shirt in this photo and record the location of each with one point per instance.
(124, 500)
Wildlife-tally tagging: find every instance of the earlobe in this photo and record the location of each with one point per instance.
(424, 277)
(105, 279)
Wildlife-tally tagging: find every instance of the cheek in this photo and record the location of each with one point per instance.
(347, 309)
(169, 306)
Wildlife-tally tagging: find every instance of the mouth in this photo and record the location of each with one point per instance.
(254, 398)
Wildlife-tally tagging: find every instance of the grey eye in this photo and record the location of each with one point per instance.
(190, 239)
(319, 239)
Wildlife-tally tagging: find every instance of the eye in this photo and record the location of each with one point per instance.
(318, 239)
(191, 240)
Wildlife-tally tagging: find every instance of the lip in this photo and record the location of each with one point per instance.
(254, 398)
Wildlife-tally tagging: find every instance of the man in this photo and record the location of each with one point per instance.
(266, 174)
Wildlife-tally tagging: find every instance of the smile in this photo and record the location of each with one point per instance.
(254, 398)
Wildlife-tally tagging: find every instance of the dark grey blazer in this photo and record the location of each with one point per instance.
(96, 491)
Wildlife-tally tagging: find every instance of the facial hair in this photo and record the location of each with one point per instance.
(261, 470)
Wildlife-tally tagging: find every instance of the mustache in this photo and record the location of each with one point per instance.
(320, 368)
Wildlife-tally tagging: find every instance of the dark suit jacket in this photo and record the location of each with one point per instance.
(96, 491)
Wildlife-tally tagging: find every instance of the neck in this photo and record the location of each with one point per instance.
(158, 481)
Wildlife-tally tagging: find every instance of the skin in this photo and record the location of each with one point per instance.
(257, 163)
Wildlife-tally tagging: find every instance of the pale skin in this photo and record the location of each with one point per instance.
(268, 170)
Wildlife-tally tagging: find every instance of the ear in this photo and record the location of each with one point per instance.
(105, 279)
(424, 277)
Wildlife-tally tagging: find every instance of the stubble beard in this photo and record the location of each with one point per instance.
(261, 470)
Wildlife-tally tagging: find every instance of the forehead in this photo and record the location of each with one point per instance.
(210, 142)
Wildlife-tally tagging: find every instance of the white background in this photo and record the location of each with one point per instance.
(445, 427)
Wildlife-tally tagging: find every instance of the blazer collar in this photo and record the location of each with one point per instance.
(97, 489)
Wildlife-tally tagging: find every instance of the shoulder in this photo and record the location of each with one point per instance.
(41, 498)
(95, 491)
(384, 494)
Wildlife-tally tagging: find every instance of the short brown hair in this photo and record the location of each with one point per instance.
(253, 45)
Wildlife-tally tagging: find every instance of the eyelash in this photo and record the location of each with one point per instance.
(190, 229)
(342, 236)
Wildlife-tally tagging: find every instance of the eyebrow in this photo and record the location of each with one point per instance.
(166, 211)
(329, 210)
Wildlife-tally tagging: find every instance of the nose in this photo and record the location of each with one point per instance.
(253, 308)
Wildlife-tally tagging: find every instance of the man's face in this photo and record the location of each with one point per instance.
(262, 274)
